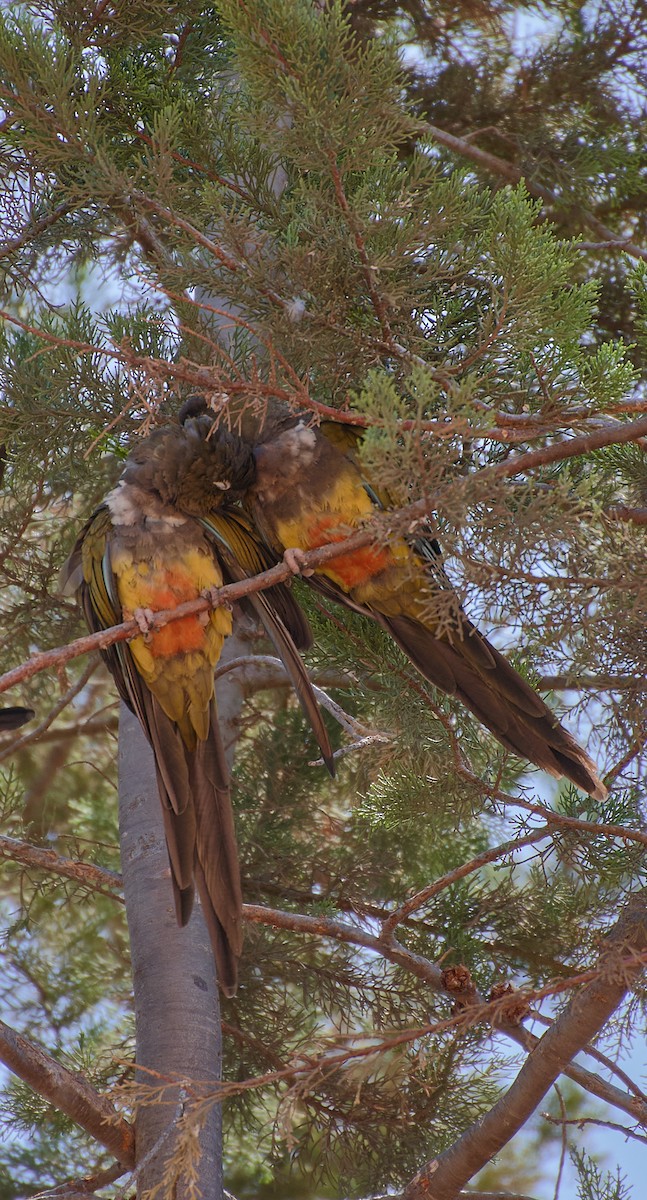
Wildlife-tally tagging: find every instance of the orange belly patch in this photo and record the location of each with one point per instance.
(352, 569)
(178, 637)
(166, 588)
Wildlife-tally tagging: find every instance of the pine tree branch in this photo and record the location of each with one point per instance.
(96, 879)
(480, 860)
(502, 1011)
(108, 882)
(207, 378)
(229, 184)
(443, 1177)
(368, 270)
(608, 435)
(505, 170)
(341, 931)
(68, 1092)
(339, 1050)
(555, 819)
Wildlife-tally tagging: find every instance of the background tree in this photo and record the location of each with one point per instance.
(403, 277)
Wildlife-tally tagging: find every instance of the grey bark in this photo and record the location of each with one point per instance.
(177, 1010)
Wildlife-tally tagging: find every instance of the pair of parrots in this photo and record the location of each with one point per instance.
(197, 506)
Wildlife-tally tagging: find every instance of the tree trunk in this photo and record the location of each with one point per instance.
(177, 1009)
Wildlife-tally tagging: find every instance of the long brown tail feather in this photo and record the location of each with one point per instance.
(216, 869)
(296, 670)
(200, 834)
(477, 674)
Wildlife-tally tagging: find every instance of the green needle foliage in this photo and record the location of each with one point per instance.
(253, 200)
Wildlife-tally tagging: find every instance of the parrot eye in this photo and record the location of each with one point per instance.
(222, 486)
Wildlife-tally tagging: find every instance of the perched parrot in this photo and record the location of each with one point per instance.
(309, 489)
(13, 718)
(162, 537)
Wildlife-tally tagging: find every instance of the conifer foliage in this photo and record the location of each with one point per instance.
(427, 221)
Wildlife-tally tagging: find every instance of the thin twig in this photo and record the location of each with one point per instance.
(564, 1148)
(580, 1122)
(34, 734)
(560, 819)
(593, 1052)
(82, 1187)
(35, 228)
(368, 270)
(480, 860)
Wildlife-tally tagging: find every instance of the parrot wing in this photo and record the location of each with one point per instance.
(243, 555)
(464, 664)
(474, 671)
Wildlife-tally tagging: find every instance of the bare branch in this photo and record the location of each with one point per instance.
(97, 879)
(82, 1187)
(607, 435)
(581, 1122)
(444, 1176)
(605, 1061)
(67, 1091)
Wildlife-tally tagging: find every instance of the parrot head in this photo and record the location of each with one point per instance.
(191, 469)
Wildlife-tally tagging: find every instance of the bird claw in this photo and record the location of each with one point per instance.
(212, 594)
(294, 557)
(145, 619)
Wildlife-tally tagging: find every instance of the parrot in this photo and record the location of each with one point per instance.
(14, 717)
(163, 536)
(309, 488)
